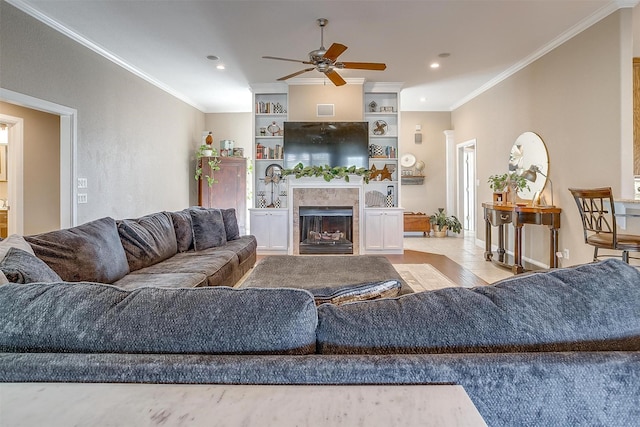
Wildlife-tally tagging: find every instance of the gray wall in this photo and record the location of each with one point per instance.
(135, 141)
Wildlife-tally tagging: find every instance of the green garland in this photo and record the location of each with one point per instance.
(327, 172)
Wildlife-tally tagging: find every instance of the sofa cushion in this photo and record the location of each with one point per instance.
(182, 227)
(88, 252)
(14, 241)
(208, 228)
(148, 240)
(230, 220)
(359, 292)
(219, 266)
(19, 266)
(100, 318)
(586, 308)
(161, 280)
(244, 247)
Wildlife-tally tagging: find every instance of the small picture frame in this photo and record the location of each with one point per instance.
(386, 109)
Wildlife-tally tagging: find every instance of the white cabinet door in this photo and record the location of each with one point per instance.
(270, 228)
(374, 227)
(383, 230)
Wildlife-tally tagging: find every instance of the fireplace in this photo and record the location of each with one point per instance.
(326, 230)
(317, 193)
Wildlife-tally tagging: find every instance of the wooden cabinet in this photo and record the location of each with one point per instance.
(636, 116)
(383, 230)
(417, 222)
(4, 223)
(270, 227)
(230, 190)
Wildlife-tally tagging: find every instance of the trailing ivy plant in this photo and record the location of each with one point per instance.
(327, 172)
(213, 162)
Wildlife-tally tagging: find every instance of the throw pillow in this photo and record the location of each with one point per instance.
(351, 293)
(14, 241)
(230, 224)
(19, 266)
(182, 227)
(208, 228)
(148, 240)
(89, 252)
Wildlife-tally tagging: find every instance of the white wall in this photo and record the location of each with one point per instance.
(135, 142)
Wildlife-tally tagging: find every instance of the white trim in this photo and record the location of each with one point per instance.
(68, 154)
(15, 185)
(450, 164)
(598, 15)
(323, 80)
(47, 20)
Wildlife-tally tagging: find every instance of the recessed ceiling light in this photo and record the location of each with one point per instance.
(212, 57)
(220, 67)
(435, 65)
(423, 99)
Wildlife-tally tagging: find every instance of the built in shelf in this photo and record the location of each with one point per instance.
(412, 180)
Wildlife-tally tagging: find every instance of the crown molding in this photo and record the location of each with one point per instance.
(37, 14)
(562, 38)
(323, 80)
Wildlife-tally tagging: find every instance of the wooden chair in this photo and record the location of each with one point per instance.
(599, 222)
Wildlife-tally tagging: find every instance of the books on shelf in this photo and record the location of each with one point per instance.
(270, 108)
(264, 152)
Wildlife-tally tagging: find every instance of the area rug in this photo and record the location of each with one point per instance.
(423, 277)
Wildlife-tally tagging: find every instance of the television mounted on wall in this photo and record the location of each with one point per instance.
(326, 143)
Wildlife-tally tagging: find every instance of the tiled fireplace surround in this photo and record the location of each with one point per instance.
(318, 192)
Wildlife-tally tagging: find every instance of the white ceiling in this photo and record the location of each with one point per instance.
(167, 42)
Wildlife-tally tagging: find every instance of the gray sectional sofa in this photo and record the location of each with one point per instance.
(557, 348)
(189, 248)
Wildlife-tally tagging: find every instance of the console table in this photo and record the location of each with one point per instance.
(498, 215)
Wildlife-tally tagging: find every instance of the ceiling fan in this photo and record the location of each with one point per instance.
(325, 60)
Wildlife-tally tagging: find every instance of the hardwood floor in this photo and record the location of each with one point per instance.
(445, 265)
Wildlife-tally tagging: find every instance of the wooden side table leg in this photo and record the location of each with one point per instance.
(517, 250)
(553, 258)
(487, 239)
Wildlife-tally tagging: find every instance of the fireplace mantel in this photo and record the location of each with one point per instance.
(311, 191)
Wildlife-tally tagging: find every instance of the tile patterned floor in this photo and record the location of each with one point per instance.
(462, 250)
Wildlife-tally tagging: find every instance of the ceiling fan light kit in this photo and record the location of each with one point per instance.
(325, 60)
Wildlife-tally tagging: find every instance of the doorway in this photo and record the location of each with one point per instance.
(68, 191)
(466, 184)
(11, 182)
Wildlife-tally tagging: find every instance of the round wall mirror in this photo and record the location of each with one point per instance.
(529, 158)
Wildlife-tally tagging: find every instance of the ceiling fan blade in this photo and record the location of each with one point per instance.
(375, 66)
(287, 59)
(335, 78)
(334, 51)
(297, 73)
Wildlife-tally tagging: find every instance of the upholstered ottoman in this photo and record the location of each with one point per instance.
(322, 271)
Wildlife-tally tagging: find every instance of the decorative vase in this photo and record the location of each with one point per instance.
(277, 203)
(207, 153)
(389, 201)
(262, 203)
(513, 194)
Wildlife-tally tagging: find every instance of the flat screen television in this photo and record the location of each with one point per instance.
(326, 143)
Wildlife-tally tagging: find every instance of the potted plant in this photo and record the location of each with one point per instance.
(441, 222)
(499, 183)
(207, 151)
(517, 183)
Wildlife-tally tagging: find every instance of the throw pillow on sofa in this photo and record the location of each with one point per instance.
(91, 317)
(14, 241)
(586, 308)
(148, 240)
(353, 293)
(89, 252)
(182, 227)
(208, 228)
(19, 266)
(230, 224)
